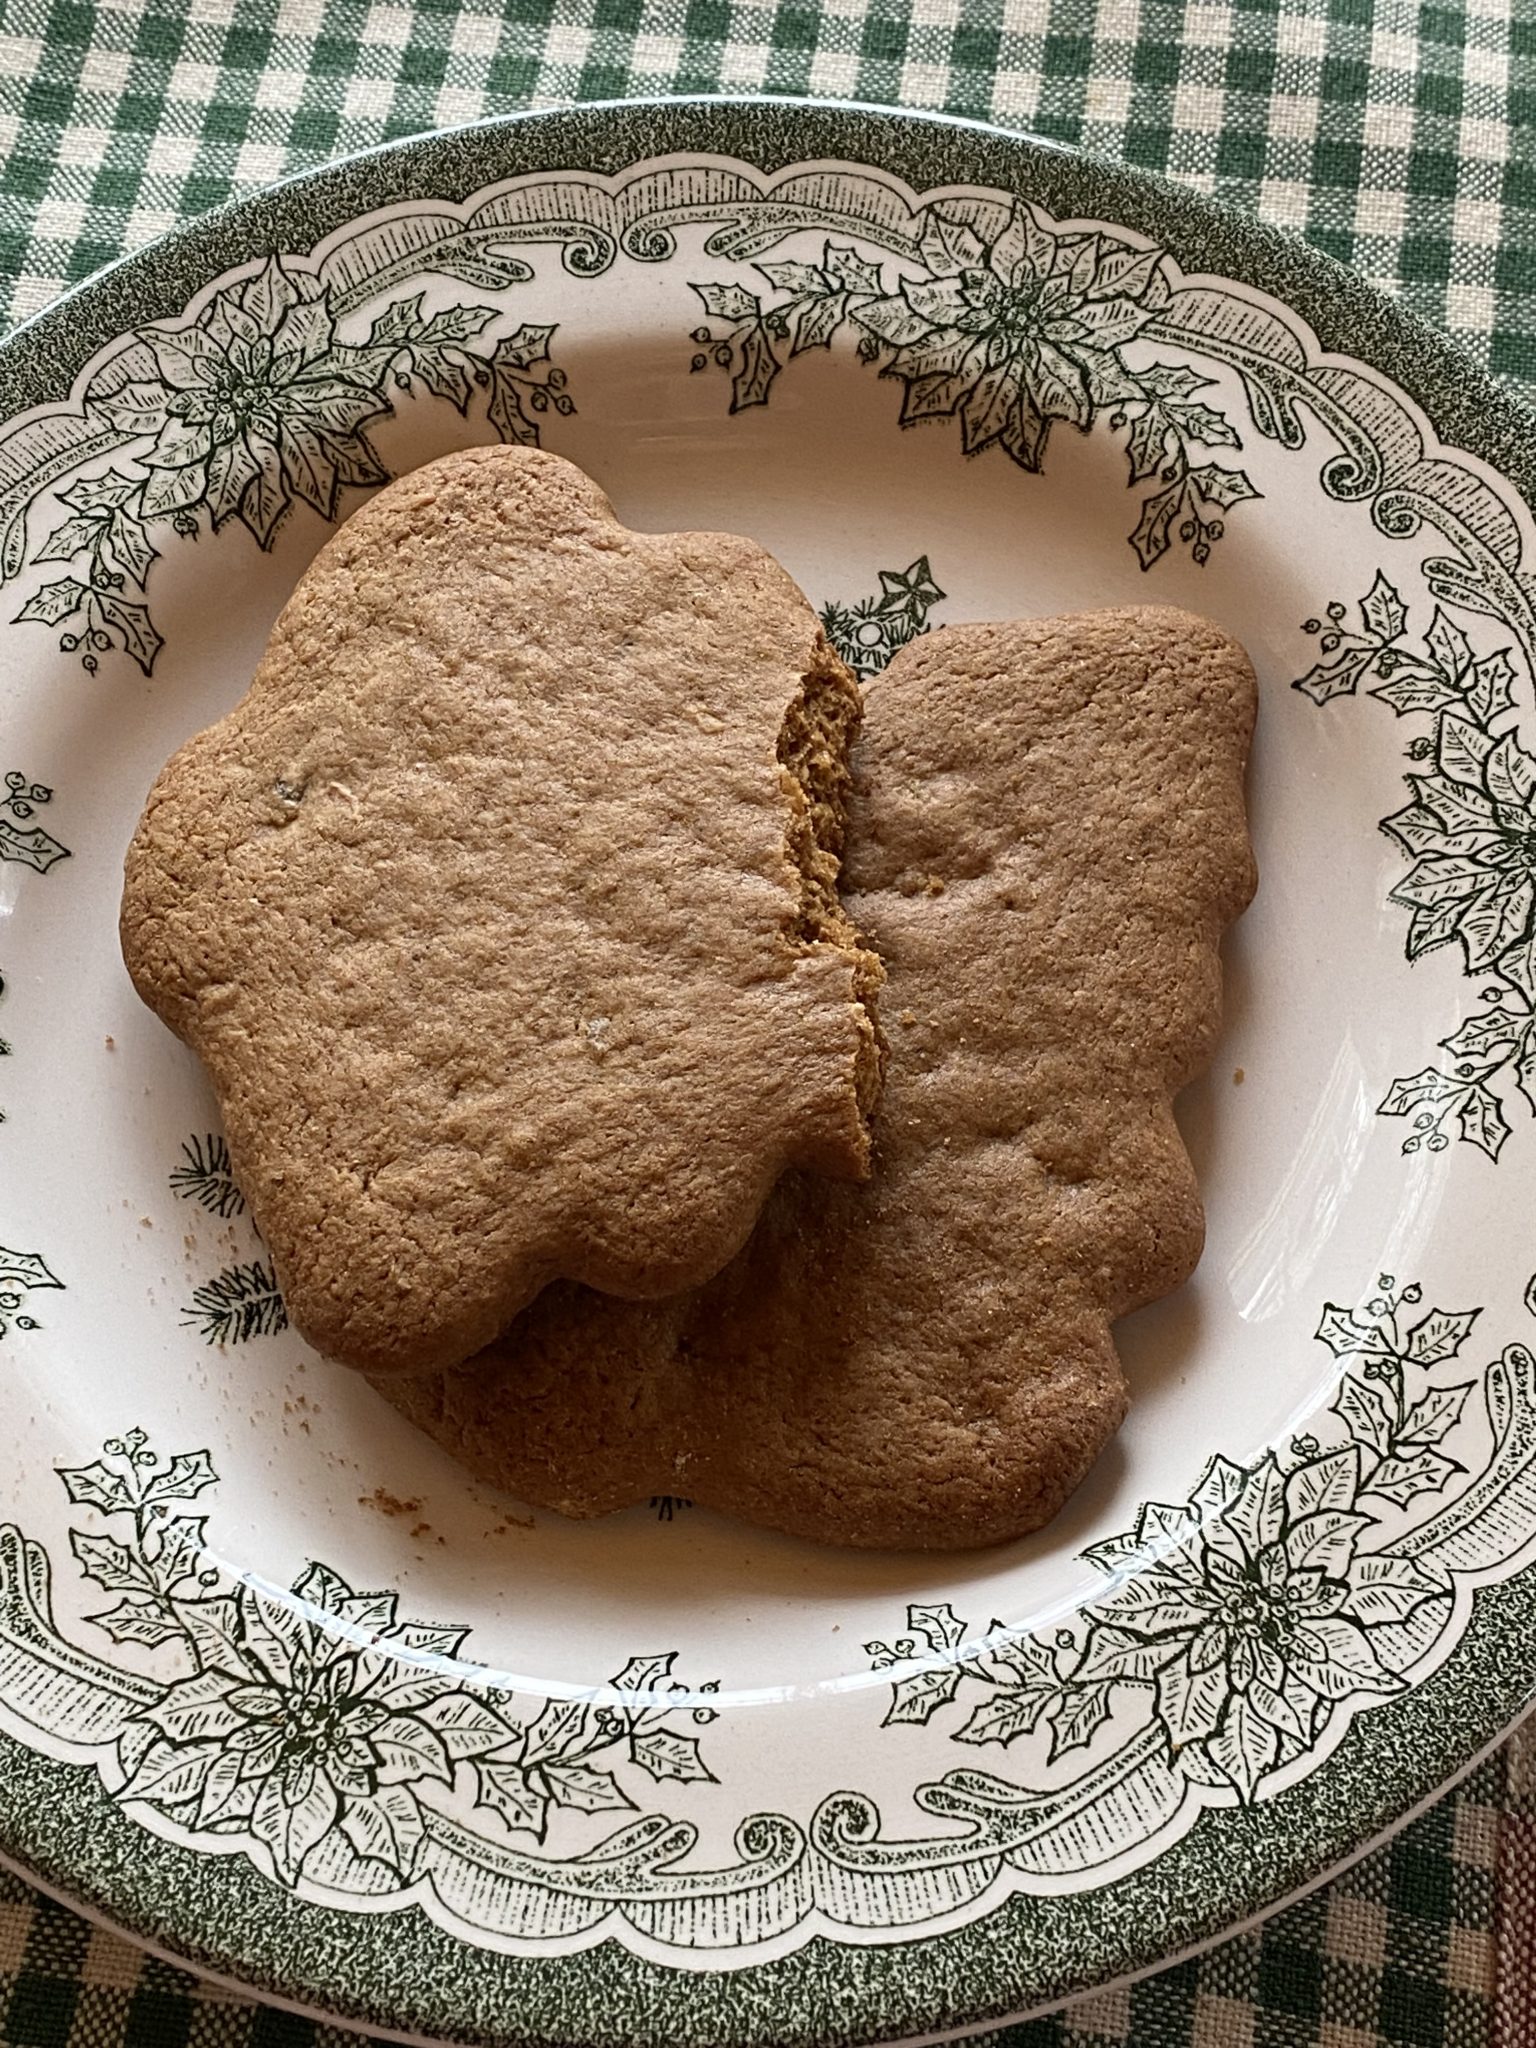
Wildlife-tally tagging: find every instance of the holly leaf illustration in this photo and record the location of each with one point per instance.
(387, 1828)
(1146, 442)
(1339, 677)
(799, 278)
(1204, 423)
(54, 603)
(1410, 690)
(132, 621)
(1413, 1091)
(728, 301)
(1433, 1418)
(1016, 1657)
(1485, 1035)
(1150, 538)
(849, 269)
(69, 539)
(107, 493)
(1075, 1717)
(33, 848)
(1362, 1409)
(1383, 610)
(919, 1697)
(130, 547)
(1440, 1335)
(507, 1789)
(1221, 486)
(525, 348)
(182, 1543)
(137, 1622)
(817, 322)
(587, 1790)
(560, 1727)
(1447, 643)
(183, 1478)
(24, 1269)
(1348, 1335)
(644, 1674)
(1401, 1480)
(96, 1486)
(430, 1639)
(444, 378)
(1006, 1716)
(110, 1563)
(1171, 380)
(755, 374)
(938, 1625)
(665, 1755)
(1482, 1121)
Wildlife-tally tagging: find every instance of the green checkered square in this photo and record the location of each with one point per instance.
(1396, 1953)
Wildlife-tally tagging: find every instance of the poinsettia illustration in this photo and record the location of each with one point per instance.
(1247, 1613)
(316, 1716)
(255, 406)
(1470, 833)
(1019, 335)
(1012, 337)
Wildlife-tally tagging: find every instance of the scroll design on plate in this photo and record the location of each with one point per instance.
(358, 1757)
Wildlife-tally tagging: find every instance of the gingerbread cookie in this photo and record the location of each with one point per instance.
(503, 914)
(1046, 843)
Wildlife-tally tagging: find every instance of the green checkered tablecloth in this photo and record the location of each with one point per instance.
(1398, 136)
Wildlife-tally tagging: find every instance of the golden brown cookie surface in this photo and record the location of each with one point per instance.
(1047, 840)
(502, 910)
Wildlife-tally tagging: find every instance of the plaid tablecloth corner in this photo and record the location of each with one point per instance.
(1399, 135)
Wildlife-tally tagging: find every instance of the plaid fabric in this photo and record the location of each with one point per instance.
(1396, 134)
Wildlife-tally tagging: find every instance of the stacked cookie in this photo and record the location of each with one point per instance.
(529, 915)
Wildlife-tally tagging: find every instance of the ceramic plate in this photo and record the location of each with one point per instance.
(280, 1689)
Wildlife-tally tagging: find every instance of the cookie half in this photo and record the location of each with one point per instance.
(503, 910)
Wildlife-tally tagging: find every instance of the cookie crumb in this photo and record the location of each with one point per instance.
(386, 1503)
(1238, 1077)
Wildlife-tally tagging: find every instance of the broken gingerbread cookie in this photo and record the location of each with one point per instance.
(1046, 843)
(503, 912)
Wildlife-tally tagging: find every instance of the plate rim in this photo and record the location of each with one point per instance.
(976, 1983)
